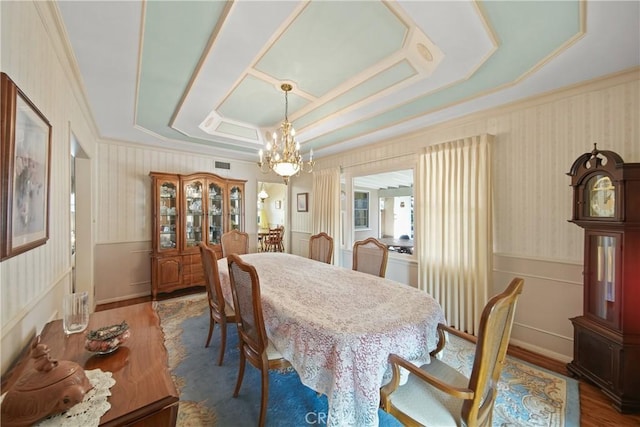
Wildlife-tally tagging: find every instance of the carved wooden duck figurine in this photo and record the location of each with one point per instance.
(48, 388)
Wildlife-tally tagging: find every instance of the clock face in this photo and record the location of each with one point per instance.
(601, 196)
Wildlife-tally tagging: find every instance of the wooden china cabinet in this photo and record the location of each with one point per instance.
(606, 204)
(187, 210)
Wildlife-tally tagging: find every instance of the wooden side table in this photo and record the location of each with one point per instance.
(144, 393)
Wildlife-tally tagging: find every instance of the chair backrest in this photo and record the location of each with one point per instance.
(245, 287)
(274, 239)
(212, 278)
(321, 247)
(491, 350)
(370, 256)
(234, 242)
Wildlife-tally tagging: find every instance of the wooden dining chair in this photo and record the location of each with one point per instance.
(273, 240)
(321, 247)
(219, 311)
(438, 394)
(370, 256)
(254, 344)
(234, 242)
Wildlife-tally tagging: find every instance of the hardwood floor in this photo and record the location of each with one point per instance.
(595, 407)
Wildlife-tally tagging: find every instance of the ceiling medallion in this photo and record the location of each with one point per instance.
(282, 155)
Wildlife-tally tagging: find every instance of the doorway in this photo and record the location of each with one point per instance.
(271, 209)
(81, 251)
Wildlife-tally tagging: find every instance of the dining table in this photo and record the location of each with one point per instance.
(337, 328)
(399, 245)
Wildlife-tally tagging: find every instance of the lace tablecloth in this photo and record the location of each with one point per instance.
(88, 412)
(337, 327)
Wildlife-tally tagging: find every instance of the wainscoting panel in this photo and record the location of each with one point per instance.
(132, 276)
(552, 294)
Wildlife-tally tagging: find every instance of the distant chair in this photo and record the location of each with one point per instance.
(234, 242)
(273, 240)
(438, 394)
(370, 256)
(219, 311)
(254, 344)
(321, 247)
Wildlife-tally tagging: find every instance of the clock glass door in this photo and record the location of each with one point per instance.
(601, 197)
(602, 291)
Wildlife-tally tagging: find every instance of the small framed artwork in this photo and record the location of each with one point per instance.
(302, 202)
(25, 157)
(278, 204)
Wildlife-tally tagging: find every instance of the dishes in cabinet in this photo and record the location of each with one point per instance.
(167, 191)
(166, 242)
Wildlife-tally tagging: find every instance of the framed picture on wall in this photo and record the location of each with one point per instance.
(25, 156)
(302, 202)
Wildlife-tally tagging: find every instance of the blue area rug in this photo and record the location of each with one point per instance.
(528, 395)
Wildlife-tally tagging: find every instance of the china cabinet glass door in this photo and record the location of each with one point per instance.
(236, 214)
(216, 213)
(168, 216)
(194, 212)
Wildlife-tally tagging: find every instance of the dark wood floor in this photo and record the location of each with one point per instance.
(595, 407)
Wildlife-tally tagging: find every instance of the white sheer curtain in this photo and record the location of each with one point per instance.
(455, 244)
(325, 208)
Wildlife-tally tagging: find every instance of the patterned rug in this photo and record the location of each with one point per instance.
(527, 396)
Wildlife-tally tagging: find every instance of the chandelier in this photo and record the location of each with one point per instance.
(282, 155)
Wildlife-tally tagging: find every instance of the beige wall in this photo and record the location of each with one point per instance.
(35, 58)
(536, 142)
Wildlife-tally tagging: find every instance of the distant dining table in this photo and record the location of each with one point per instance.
(399, 245)
(337, 327)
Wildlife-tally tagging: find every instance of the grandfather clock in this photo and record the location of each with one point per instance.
(606, 204)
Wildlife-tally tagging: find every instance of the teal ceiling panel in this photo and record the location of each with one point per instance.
(317, 59)
(252, 101)
(528, 33)
(391, 76)
(175, 35)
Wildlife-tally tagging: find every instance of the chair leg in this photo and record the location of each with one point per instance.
(240, 373)
(265, 396)
(212, 323)
(223, 341)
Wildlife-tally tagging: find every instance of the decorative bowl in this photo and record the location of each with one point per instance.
(107, 339)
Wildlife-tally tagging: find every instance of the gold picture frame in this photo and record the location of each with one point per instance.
(25, 156)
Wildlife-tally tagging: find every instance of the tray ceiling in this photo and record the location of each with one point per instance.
(205, 75)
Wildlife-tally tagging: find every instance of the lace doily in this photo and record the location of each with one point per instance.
(88, 412)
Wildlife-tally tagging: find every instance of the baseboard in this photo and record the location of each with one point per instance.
(540, 350)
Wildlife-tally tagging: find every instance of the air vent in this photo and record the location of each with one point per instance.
(223, 165)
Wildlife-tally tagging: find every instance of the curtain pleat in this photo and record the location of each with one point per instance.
(455, 245)
(325, 209)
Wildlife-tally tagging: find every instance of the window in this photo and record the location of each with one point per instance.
(360, 209)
